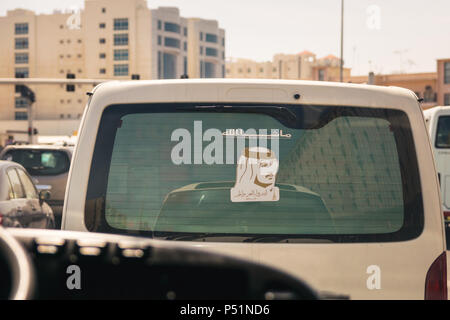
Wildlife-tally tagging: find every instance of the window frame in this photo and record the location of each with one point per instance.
(413, 226)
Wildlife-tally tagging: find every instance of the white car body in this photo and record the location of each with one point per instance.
(332, 267)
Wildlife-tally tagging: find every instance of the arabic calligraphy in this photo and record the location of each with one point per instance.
(242, 133)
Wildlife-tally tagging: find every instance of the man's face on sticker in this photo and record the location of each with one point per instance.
(267, 170)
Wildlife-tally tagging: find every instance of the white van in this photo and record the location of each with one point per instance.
(333, 183)
(438, 122)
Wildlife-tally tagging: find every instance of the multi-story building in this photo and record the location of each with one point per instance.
(108, 39)
(303, 66)
(443, 82)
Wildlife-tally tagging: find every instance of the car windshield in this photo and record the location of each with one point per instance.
(291, 172)
(443, 133)
(40, 162)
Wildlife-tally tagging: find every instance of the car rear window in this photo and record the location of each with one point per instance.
(443, 133)
(40, 162)
(245, 172)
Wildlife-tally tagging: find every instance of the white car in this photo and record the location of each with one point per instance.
(438, 122)
(333, 183)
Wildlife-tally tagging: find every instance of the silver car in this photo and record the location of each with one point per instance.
(48, 165)
(21, 206)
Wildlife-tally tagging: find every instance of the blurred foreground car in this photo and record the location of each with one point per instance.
(21, 206)
(334, 183)
(43, 264)
(49, 167)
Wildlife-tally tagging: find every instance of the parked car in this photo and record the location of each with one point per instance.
(21, 206)
(438, 122)
(362, 150)
(49, 166)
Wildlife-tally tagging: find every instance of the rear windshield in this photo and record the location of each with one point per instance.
(255, 173)
(443, 133)
(40, 162)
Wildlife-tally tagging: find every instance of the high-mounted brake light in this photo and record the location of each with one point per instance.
(436, 280)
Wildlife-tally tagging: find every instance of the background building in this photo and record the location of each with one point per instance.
(301, 66)
(423, 84)
(109, 39)
(443, 82)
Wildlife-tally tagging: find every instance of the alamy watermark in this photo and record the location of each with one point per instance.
(224, 147)
(373, 21)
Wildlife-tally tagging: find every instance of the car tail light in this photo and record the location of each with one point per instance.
(1, 219)
(436, 280)
(447, 215)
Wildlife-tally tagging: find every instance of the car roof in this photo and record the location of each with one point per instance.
(39, 147)
(250, 91)
(6, 164)
(437, 110)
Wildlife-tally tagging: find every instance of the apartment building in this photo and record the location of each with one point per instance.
(304, 66)
(108, 39)
(443, 82)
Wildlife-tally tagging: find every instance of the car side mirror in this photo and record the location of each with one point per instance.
(44, 195)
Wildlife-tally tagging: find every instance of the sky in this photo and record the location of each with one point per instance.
(384, 36)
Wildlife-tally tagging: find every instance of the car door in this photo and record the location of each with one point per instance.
(38, 218)
(20, 202)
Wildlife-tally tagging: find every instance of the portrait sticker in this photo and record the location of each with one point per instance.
(256, 173)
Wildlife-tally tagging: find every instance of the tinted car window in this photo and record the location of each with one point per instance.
(340, 173)
(443, 133)
(16, 184)
(30, 191)
(40, 162)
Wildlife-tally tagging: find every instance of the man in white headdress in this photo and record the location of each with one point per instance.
(255, 176)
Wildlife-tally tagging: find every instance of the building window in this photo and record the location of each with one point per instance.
(102, 71)
(223, 42)
(78, 55)
(447, 99)
(172, 27)
(211, 52)
(210, 70)
(102, 25)
(102, 55)
(185, 66)
(103, 10)
(21, 28)
(321, 75)
(201, 50)
(22, 73)
(185, 31)
(211, 38)
(121, 24)
(20, 115)
(172, 42)
(201, 36)
(102, 40)
(21, 43)
(21, 58)
(428, 95)
(121, 39)
(79, 40)
(159, 40)
(447, 72)
(21, 102)
(185, 46)
(120, 70)
(159, 24)
(121, 55)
